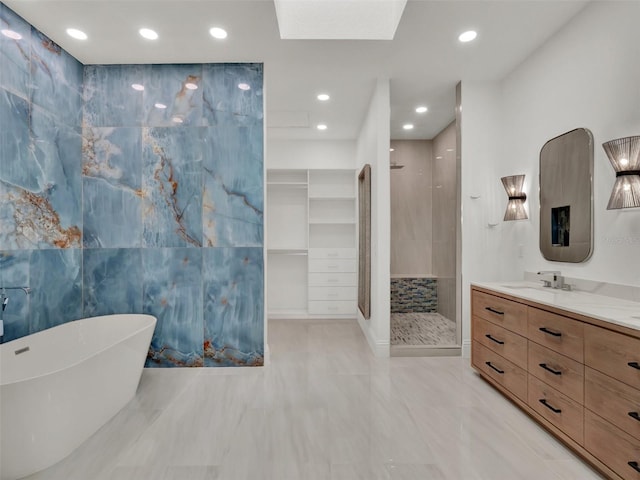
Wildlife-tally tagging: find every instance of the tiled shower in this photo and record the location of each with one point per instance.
(133, 188)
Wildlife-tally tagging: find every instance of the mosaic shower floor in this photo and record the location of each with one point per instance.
(422, 329)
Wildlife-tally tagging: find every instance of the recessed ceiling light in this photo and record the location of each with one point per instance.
(408, 126)
(449, 149)
(137, 86)
(244, 86)
(11, 34)
(161, 106)
(321, 126)
(191, 86)
(421, 109)
(148, 33)
(468, 36)
(177, 119)
(323, 97)
(217, 32)
(439, 157)
(77, 34)
(392, 149)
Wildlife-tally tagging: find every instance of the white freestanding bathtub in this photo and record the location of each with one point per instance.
(58, 386)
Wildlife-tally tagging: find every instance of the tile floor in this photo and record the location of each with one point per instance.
(422, 329)
(324, 409)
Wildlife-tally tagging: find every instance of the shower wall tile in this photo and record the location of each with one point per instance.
(112, 187)
(55, 278)
(14, 272)
(233, 306)
(112, 281)
(109, 99)
(414, 295)
(172, 185)
(225, 103)
(233, 187)
(172, 86)
(56, 80)
(15, 54)
(172, 292)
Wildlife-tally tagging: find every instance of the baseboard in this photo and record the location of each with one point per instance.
(466, 349)
(424, 351)
(379, 348)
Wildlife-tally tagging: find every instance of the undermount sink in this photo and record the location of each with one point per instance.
(518, 287)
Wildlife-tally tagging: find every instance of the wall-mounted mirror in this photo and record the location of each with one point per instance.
(566, 197)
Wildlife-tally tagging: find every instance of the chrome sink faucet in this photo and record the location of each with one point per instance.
(552, 279)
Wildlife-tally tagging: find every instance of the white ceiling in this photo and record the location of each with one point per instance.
(424, 61)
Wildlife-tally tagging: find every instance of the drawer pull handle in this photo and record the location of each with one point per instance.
(554, 410)
(555, 372)
(634, 465)
(635, 365)
(494, 340)
(634, 415)
(555, 334)
(494, 368)
(493, 310)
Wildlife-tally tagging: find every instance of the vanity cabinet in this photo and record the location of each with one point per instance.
(577, 376)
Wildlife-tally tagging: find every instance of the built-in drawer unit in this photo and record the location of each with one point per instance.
(562, 373)
(613, 400)
(613, 447)
(332, 279)
(562, 334)
(613, 353)
(332, 308)
(332, 265)
(558, 409)
(330, 253)
(501, 370)
(333, 293)
(510, 345)
(511, 315)
(580, 376)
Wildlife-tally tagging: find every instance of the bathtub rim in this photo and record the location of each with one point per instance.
(95, 353)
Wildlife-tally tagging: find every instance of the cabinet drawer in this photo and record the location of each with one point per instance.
(561, 334)
(332, 265)
(510, 345)
(613, 353)
(557, 408)
(560, 372)
(510, 376)
(612, 446)
(332, 279)
(510, 315)
(332, 253)
(613, 400)
(333, 293)
(332, 308)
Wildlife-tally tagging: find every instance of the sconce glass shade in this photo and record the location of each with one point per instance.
(515, 208)
(624, 155)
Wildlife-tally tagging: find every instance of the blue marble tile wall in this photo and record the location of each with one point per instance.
(414, 295)
(133, 188)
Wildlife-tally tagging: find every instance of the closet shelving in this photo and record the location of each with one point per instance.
(311, 238)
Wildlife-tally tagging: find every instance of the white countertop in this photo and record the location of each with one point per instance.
(609, 309)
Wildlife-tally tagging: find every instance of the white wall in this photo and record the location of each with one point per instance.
(311, 153)
(587, 75)
(373, 147)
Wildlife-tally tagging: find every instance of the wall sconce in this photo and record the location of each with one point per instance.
(515, 207)
(624, 155)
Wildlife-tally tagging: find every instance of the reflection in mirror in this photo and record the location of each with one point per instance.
(566, 197)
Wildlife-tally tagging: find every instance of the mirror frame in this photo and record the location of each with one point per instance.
(566, 185)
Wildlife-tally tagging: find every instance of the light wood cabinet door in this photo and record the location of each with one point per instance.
(557, 408)
(613, 353)
(613, 400)
(562, 373)
(510, 345)
(561, 334)
(613, 447)
(507, 374)
(506, 313)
